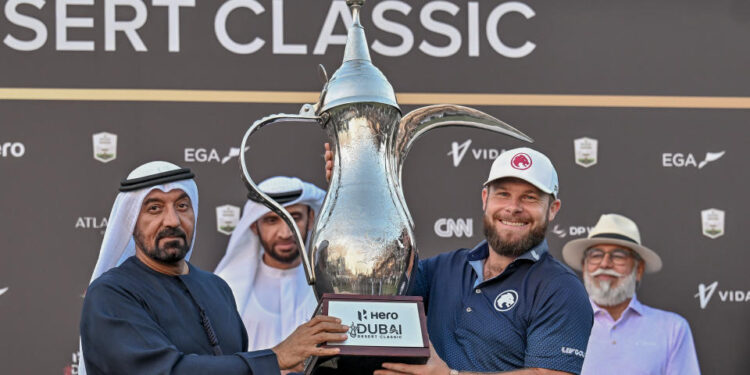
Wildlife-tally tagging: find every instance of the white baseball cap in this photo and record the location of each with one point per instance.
(529, 165)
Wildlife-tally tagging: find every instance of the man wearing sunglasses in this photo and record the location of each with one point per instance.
(628, 337)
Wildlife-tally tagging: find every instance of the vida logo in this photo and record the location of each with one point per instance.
(705, 292)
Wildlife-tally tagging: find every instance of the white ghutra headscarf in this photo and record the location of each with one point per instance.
(240, 264)
(118, 244)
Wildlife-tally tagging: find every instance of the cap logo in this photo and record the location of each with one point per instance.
(521, 161)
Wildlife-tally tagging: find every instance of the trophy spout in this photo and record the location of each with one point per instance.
(421, 120)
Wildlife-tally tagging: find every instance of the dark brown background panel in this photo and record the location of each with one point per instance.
(55, 197)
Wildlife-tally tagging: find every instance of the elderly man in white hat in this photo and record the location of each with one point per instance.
(628, 337)
(149, 311)
(263, 266)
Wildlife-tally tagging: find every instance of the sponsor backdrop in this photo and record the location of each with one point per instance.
(642, 106)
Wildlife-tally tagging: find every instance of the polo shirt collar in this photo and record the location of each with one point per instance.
(477, 255)
(482, 251)
(634, 305)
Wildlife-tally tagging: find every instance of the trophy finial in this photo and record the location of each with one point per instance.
(356, 42)
(357, 80)
(355, 3)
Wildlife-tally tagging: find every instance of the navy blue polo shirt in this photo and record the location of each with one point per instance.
(536, 313)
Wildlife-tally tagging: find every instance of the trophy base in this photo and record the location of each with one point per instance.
(354, 365)
(381, 329)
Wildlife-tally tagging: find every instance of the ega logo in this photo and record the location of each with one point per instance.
(680, 160)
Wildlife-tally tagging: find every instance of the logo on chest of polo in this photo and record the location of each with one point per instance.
(506, 300)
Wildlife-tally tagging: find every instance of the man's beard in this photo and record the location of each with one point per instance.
(602, 292)
(517, 248)
(160, 253)
(285, 259)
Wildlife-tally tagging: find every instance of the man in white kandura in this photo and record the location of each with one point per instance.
(263, 266)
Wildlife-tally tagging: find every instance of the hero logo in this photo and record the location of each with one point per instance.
(680, 160)
(506, 300)
(12, 149)
(573, 231)
(204, 155)
(458, 151)
(705, 292)
(521, 161)
(447, 228)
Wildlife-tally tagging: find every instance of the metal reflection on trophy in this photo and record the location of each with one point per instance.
(363, 251)
(363, 239)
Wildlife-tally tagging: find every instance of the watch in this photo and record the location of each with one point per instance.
(453, 372)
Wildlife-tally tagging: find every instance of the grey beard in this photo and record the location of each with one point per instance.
(604, 295)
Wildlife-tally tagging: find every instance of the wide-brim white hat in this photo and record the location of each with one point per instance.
(616, 230)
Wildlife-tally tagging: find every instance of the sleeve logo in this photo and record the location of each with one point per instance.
(572, 351)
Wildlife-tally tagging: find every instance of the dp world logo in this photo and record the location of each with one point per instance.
(506, 300)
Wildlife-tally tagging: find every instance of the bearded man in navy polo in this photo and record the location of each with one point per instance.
(506, 304)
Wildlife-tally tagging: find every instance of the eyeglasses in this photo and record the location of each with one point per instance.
(619, 257)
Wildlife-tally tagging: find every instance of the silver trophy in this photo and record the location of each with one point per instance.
(363, 238)
(363, 252)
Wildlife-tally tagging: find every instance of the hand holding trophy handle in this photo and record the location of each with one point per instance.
(256, 195)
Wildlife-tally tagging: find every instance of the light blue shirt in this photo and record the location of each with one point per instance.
(644, 341)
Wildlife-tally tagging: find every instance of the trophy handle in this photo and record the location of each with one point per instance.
(424, 119)
(256, 195)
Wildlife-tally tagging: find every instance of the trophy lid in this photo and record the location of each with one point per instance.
(357, 80)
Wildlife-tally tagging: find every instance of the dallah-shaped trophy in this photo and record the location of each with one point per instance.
(363, 255)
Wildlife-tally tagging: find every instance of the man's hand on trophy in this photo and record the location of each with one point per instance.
(329, 162)
(434, 366)
(304, 341)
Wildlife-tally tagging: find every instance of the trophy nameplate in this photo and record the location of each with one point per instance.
(381, 329)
